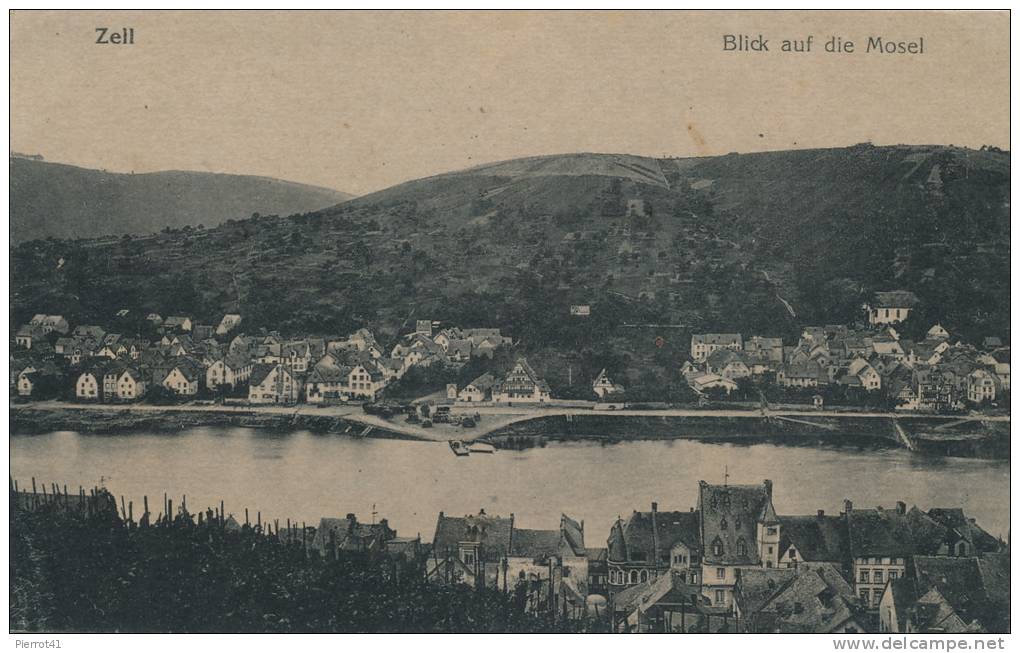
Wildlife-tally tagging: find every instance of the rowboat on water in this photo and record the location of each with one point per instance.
(459, 448)
(481, 447)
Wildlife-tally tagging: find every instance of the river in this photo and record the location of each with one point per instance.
(304, 476)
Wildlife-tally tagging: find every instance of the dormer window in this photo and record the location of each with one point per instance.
(723, 525)
(741, 547)
(717, 547)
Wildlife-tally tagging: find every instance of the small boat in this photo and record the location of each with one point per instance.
(459, 448)
(481, 447)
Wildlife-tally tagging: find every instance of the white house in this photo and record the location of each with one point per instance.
(980, 386)
(229, 370)
(703, 344)
(273, 384)
(229, 322)
(890, 307)
(521, 384)
(183, 378)
(477, 390)
(88, 386)
(709, 381)
(603, 385)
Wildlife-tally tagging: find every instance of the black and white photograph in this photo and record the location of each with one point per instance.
(510, 322)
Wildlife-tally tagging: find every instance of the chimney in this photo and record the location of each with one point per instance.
(821, 513)
(481, 511)
(768, 487)
(848, 506)
(655, 507)
(351, 517)
(901, 508)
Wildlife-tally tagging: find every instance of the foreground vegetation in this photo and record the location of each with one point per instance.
(74, 572)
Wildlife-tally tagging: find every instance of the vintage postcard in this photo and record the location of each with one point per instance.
(510, 322)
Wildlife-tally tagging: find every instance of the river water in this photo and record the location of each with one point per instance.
(305, 476)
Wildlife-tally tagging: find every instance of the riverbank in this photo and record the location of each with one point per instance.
(112, 419)
(522, 427)
(971, 439)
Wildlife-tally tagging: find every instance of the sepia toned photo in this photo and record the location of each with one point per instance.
(610, 322)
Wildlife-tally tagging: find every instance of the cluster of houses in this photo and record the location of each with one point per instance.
(733, 564)
(933, 374)
(189, 358)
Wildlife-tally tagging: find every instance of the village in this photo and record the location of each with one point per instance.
(730, 563)
(868, 366)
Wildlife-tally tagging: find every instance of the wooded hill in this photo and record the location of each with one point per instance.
(758, 243)
(63, 201)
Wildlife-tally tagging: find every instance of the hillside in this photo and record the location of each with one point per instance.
(761, 243)
(63, 201)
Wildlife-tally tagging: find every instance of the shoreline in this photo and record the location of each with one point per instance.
(969, 436)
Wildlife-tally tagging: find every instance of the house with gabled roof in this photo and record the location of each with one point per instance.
(521, 384)
(728, 364)
(603, 386)
(948, 595)
(881, 541)
(470, 550)
(478, 390)
(739, 529)
(50, 323)
(177, 323)
(890, 307)
(228, 323)
(703, 344)
(89, 384)
(335, 535)
(230, 370)
(815, 598)
(813, 538)
(327, 383)
(185, 376)
(648, 545)
(273, 384)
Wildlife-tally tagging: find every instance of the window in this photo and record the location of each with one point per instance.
(771, 530)
(467, 556)
(893, 574)
(864, 596)
(878, 576)
(770, 550)
(864, 576)
(717, 547)
(720, 597)
(644, 575)
(793, 554)
(720, 573)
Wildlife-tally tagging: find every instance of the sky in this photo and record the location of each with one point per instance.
(359, 101)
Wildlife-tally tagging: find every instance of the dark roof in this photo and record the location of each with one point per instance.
(756, 586)
(879, 532)
(494, 533)
(535, 544)
(817, 538)
(957, 579)
(573, 535)
(966, 528)
(729, 516)
(190, 368)
(895, 299)
(259, 372)
(904, 596)
(644, 534)
(816, 600)
(484, 382)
